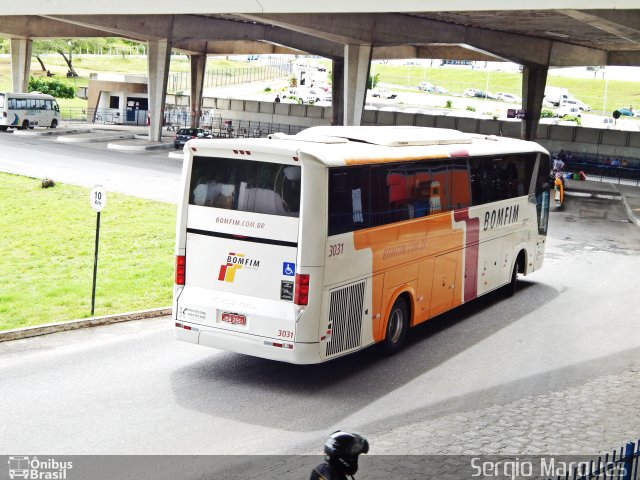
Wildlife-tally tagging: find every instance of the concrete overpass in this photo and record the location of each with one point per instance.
(351, 34)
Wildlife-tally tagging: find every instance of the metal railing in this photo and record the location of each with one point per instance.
(619, 465)
(275, 68)
(628, 175)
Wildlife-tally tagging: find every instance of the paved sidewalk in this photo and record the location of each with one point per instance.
(533, 425)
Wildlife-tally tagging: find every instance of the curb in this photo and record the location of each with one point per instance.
(50, 132)
(139, 148)
(97, 138)
(632, 216)
(37, 330)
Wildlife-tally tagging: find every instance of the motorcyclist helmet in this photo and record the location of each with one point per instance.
(342, 450)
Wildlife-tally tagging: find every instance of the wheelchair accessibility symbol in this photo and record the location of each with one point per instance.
(289, 269)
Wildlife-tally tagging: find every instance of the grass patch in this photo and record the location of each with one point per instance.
(47, 248)
(590, 91)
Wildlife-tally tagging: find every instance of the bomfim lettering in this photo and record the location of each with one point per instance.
(500, 217)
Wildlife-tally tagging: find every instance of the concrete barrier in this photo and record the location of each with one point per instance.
(592, 141)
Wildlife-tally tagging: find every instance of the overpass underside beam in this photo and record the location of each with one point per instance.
(357, 60)
(159, 53)
(198, 66)
(20, 63)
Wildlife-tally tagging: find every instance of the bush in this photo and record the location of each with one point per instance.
(546, 113)
(47, 183)
(449, 104)
(55, 88)
(567, 118)
(470, 108)
(267, 89)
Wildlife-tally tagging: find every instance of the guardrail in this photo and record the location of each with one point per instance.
(629, 175)
(619, 465)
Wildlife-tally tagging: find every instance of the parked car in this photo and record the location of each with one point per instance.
(483, 94)
(567, 111)
(304, 95)
(470, 92)
(383, 93)
(440, 90)
(626, 111)
(319, 95)
(576, 103)
(508, 97)
(425, 86)
(183, 135)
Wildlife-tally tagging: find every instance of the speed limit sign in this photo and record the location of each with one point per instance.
(98, 198)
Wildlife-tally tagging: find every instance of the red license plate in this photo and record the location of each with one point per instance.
(234, 319)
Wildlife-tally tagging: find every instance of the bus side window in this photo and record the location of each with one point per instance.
(348, 199)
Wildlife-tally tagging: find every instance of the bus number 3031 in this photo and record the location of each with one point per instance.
(285, 333)
(335, 250)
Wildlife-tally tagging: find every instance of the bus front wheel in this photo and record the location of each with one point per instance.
(54, 123)
(25, 124)
(397, 327)
(511, 287)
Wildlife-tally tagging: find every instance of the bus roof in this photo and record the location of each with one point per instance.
(340, 146)
(28, 95)
(391, 136)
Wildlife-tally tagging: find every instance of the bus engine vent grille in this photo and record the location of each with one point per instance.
(345, 315)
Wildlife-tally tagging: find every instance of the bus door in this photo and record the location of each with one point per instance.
(444, 283)
(241, 246)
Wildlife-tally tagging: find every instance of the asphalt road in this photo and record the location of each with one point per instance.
(152, 175)
(132, 388)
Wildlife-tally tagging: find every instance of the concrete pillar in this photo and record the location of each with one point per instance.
(20, 63)
(158, 58)
(198, 66)
(357, 60)
(534, 79)
(337, 92)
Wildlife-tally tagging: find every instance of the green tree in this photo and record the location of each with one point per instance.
(373, 81)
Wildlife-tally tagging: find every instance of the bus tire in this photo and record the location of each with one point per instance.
(25, 125)
(397, 327)
(512, 286)
(3, 128)
(54, 123)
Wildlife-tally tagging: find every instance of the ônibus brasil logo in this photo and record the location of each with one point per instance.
(235, 261)
(33, 468)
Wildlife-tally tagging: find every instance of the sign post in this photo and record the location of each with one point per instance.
(98, 200)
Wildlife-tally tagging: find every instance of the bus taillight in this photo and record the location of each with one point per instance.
(181, 264)
(301, 292)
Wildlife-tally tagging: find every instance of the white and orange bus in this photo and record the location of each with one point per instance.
(308, 247)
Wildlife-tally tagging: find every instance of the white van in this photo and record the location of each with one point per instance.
(28, 110)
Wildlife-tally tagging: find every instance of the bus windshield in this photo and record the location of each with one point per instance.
(248, 186)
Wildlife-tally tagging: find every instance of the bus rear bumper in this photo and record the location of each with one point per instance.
(269, 348)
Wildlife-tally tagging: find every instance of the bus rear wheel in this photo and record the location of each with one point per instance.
(397, 327)
(54, 123)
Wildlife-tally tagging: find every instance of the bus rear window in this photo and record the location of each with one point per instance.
(247, 186)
